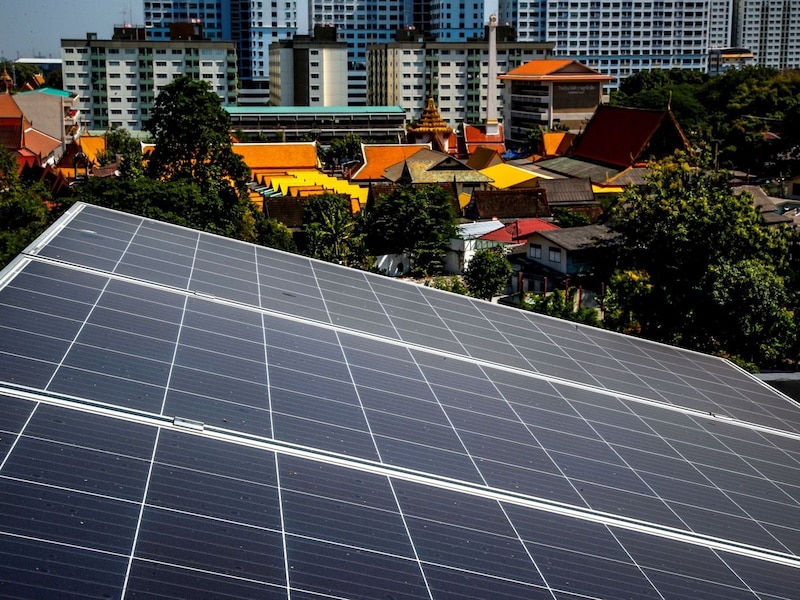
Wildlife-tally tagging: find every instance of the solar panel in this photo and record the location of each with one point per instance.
(189, 416)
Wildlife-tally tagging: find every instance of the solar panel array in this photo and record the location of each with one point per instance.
(187, 416)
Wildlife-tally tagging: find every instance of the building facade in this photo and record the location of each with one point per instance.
(455, 74)
(618, 37)
(306, 71)
(770, 29)
(252, 25)
(117, 80)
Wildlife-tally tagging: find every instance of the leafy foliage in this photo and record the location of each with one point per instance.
(342, 150)
(566, 217)
(23, 209)
(448, 283)
(190, 130)
(561, 304)
(487, 273)
(687, 239)
(273, 233)
(728, 115)
(332, 233)
(120, 142)
(418, 221)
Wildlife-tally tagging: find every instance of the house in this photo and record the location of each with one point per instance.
(548, 94)
(507, 204)
(469, 241)
(55, 113)
(767, 206)
(438, 168)
(29, 145)
(570, 252)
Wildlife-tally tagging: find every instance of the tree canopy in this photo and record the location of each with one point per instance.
(698, 268)
(332, 233)
(192, 140)
(23, 209)
(487, 273)
(417, 221)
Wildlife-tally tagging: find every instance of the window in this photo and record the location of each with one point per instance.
(554, 255)
(536, 251)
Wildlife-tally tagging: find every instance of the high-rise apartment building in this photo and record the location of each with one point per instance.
(118, 80)
(455, 73)
(618, 37)
(771, 30)
(251, 24)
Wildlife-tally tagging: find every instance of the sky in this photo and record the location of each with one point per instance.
(35, 27)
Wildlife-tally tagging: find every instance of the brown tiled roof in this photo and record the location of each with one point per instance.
(40, 143)
(285, 209)
(507, 204)
(11, 129)
(562, 192)
(622, 136)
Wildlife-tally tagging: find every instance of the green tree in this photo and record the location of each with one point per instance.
(685, 237)
(193, 145)
(120, 142)
(23, 209)
(562, 305)
(487, 273)
(342, 149)
(566, 217)
(417, 221)
(273, 233)
(331, 230)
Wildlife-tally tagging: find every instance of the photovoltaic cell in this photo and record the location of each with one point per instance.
(189, 416)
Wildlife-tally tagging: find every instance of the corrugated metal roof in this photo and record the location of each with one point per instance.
(470, 231)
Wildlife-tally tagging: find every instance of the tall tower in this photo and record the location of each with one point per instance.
(491, 96)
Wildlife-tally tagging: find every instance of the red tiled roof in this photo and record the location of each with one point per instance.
(40, 143)
(518, 230)
(11, 129)
(619, 136)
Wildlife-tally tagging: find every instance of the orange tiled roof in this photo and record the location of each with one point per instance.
(278, 156)
(555, 69)
(379, 157)
(557, 143)
(9, 107)
(92, 145)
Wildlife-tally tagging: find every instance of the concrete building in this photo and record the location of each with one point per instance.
(309, 71)
(323, 123)
(617, 37)
(550, 93)
(55, 113)
(770, 29)
(118, 80)
(456, 74)
(251, 25)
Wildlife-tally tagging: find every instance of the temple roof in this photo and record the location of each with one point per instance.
(431, 121)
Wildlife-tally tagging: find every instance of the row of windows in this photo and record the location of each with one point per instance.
(553, 254)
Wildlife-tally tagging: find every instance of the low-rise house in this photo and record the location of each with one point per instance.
(561, 257)
(507, 204)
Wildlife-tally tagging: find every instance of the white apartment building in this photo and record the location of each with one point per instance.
(308, 71)
(616, 37)
(117, 80)
(720, 24)
(770, 29)
(456, 74)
